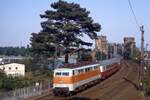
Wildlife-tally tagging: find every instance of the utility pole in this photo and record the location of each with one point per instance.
(141, 69)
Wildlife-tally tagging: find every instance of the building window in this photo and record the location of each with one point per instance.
(9, 68)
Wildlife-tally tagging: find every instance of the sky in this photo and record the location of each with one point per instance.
(19, 18)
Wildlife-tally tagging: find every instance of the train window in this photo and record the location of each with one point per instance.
(95, 67)
(58, 73)
(73, 72)
(88, 69)
(65, 73)
(80, 71)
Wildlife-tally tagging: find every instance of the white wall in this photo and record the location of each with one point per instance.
(13, 69)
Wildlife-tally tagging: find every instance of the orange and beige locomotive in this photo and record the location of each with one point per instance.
(74, 77)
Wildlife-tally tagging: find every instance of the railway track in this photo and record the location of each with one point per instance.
(120, 86)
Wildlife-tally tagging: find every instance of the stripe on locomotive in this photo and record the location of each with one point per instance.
(76, 78)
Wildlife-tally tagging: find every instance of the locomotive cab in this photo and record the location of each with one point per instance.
(62, 82)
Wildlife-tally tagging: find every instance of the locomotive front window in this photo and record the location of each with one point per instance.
(65, 73)
(58, 73)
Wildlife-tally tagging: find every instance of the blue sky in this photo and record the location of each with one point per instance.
(19, 18)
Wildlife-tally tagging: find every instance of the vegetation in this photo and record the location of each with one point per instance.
(2, 77)
(14, 51)
(84, 55)
(8, 83)
(28, 62)
(100, 55)
(65, 24)
(147, 85)
(131, 53)
(147, 81)
(127, 52)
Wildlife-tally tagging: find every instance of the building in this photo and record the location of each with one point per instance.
(120, 49)
(101, 44)
(115, 49)
(112, 50)
(129, 41)
(13, 69)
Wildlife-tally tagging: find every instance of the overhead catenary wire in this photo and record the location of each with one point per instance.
(141, 68)
(135, 18)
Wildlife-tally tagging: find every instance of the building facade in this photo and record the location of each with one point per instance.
(129, 41)
(13, 69)
(115, 49)
(120, 49)
(101, 44)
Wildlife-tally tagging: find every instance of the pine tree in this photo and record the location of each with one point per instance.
(64, 26)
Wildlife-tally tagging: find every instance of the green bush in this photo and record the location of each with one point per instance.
(100, 55)
(147, 85)
(8, 83)
(1, 83)
(2, 77)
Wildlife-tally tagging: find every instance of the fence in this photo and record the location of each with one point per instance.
(27, 92)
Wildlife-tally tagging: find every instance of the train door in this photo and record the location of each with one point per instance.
(75, 74)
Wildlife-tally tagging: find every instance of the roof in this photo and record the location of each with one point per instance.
(109, 61)
(76, 66)
(79, 64)
(86, 63)
(63, 69)
(11, 63)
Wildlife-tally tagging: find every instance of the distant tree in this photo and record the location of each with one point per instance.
(146, 84)
(127, 52)
(63, 28)
(84, 55)
(2, 73)
(136, 53)
(2, 77)
(14, 51)
(100, 55)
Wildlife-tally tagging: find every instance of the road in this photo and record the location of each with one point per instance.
(120, 86)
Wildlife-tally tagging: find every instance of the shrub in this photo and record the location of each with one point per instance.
(147, 85)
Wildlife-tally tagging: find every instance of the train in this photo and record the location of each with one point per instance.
(73, 78)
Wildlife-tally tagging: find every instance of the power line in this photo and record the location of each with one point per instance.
(135, 18)
(141, 67)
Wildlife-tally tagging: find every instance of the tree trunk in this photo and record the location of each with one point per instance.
(66, 58)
